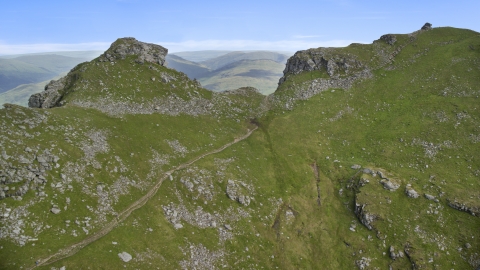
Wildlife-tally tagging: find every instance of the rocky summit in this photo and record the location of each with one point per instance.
(365, 157)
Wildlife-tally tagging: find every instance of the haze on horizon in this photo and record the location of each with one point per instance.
(33, 26)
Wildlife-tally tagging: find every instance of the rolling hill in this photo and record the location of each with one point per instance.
(258, 69)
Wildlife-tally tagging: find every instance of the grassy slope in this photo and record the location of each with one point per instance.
(424, 96)
(362, 126)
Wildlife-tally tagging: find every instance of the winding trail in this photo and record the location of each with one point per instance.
(74, 248)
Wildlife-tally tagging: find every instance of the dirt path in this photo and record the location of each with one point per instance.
(74, 248)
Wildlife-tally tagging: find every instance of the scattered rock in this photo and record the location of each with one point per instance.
(394, 255)
(363, 263)
(391, 185)
(125, 256)
(228, 227)
(55, 210)
(356, 167)
(236, 191)
(177, 226)
(411, 192)
(431, 197)
(367, 171)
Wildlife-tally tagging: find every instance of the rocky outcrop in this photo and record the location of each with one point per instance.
(55, 91)
(145, 52)
(389, 39)
(364, 216)
(427, 26)
(411, 193)
(390, 184)
(394, 255)
(321, 59)
(475, 211)
(50, 97)
(236, 191)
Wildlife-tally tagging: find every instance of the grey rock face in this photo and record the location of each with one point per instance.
(315, 59)
(146, 52)
(50, 97)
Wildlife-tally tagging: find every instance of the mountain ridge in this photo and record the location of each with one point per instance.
(364, 157)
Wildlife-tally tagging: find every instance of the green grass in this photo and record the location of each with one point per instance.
(420, 109)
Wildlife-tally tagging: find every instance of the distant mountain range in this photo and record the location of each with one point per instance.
(232, 70)
(24, 75)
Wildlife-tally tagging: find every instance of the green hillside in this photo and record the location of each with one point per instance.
(365, 157)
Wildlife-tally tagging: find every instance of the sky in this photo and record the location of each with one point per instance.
(185, 25)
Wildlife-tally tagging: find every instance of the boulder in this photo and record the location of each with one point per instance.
(411, 192)
(391, 185)
(125, 256)
(430, 197)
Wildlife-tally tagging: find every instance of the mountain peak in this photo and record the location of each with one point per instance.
(146, 52)
(122, 48)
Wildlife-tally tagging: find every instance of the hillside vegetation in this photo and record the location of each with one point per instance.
(365, 157)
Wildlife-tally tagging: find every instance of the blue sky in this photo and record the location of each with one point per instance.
(184, 25)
